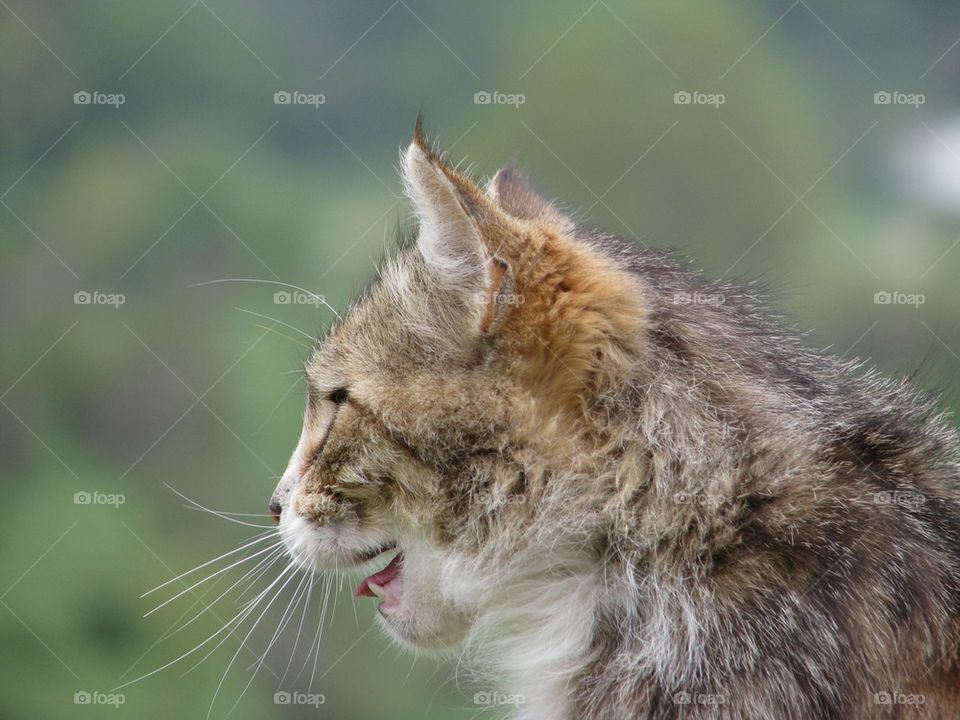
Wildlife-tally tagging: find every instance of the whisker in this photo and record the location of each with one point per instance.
(308, 336)
(198, 600)
(327, 583)
(224, 512)
(303, 615)
(209, 577)
(250, 632)
(265, 563)
(318, 298)
(285, 337)
(316, 657)
(192, 650)
(257, 577)
(243, 614)
(261, 537)
(214, 512)
(284, 619)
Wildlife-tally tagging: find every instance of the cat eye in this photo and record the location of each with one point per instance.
(338, 396)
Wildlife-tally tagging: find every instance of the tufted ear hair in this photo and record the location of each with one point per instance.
(453, 214)
(512, 193)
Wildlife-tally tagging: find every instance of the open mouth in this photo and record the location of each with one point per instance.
(386, 585)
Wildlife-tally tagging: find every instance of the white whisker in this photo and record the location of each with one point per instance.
(224, 512)
(303, 615)
(316, 297)
(285, 337)
(284, 619)
(214, 512)
(253, 627)
(189, 652)
(243, 614)
(262, 537)
(265, 563)
(209, 577)
(327, 582)
(307, 335)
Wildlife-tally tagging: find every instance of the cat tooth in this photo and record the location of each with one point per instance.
(378, 590)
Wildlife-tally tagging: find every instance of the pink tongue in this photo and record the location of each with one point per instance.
(390, 572)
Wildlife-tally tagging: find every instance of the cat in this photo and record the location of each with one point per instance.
(620, 489)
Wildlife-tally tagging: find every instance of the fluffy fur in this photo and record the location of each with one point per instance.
(620, 489)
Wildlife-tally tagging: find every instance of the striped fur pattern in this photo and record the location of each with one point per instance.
(620, 490)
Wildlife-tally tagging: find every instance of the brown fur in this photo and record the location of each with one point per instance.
(621, 502)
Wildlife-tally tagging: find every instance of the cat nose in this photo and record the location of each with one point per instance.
(275, 510)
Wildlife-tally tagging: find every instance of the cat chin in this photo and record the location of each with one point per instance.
(425, 630)
(411, 607)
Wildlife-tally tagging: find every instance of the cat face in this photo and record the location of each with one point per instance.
(440, 404)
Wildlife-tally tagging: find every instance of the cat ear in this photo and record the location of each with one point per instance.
(512, 193)
(452, 213)
(448, 238)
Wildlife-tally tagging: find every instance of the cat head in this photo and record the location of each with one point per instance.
(453, 393)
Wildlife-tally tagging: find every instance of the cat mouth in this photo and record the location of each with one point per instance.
(387, 585)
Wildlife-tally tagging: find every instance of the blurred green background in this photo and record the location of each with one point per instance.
(785, 167)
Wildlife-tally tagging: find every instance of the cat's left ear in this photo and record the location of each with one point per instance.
(455, 221)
